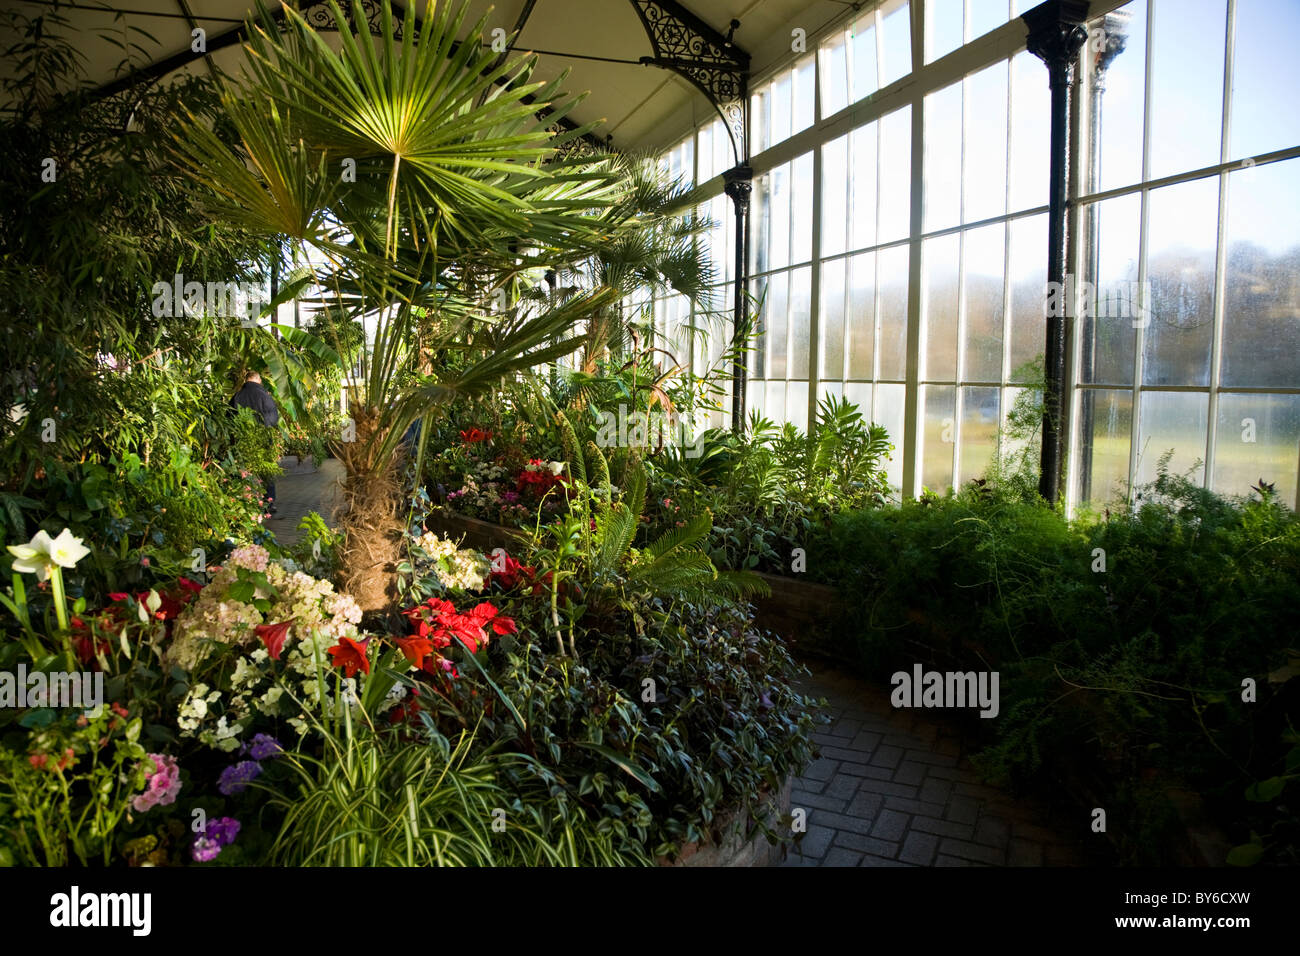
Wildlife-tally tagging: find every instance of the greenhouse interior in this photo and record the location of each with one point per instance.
(649, 433)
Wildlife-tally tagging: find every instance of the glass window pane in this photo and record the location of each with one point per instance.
(1105, 430)
(800, 319)
(980, 418)
(889, 411)
(1172, 421)
(861, 319)
(774, 406)
(1261, 315)
(804, 96)
(835, 196)
(986, 15)
(939, 261)
(1258, 439)
(834, 75)
(895, 175)
(943, 27)
(796, 405)
(892, 281)
(938, 435)
(1106, 315)
(1031, 103)
(831, 320)
(1028, 282)
(1187, 47)
(985, 157)
(1117, 95)
(801, 207)
(775, 312)
(895, 39)
(862, 211)
(943, 158)
(862, 39)
(781, 106)
(1264, 117)
(985, 250)
(1183, 234)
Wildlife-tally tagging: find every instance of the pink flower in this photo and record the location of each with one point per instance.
(161, 784)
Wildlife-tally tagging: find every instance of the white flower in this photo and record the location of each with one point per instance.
(557, 468)
(43, 552)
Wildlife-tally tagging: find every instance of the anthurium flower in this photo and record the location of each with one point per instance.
(350, 655)
(273, 636)
(189, 585)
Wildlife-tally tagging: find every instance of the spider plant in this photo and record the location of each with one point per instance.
(417, 178)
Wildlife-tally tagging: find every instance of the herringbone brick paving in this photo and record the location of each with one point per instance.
(893, 787)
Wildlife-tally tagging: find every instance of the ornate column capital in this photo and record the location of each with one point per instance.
(739, 184)
(1057, 32)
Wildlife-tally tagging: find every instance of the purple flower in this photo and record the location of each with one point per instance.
(162, 783)
(204, 849)
(217, 833)
(236, 778)
(223, 830)
(262, 747)
(510, 497)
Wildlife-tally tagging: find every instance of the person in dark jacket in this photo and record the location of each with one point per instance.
(254, 396)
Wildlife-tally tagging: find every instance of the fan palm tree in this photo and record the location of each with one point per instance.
(418, 173)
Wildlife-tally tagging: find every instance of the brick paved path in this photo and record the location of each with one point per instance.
(893, 788)
(301, 489)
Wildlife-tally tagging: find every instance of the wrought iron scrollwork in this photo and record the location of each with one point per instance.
(321, 17)
(684, 43)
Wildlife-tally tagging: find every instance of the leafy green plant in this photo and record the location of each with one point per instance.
(376, 799)
(63, 795)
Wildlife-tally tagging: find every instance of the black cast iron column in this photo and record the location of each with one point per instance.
(739, 185)
(1056, 33)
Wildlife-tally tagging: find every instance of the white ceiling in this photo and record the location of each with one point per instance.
(639, 105)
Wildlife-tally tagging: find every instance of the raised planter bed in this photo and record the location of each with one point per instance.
(794, 605)
(736, 849)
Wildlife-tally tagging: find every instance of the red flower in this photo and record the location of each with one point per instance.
(485, 614)
(475, 435)
(192, 586)
(273, 636)
(415, 649)
(513, 575)
(118, 596)
(350, 655)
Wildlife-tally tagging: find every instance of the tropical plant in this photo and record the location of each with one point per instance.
(457, 193)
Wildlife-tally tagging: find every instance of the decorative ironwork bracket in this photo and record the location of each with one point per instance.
(688, 46)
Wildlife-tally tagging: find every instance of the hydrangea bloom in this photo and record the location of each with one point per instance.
(162, 784)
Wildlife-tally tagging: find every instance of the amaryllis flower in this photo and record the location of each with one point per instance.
(415, 649)
(273, 636)
(350, 655)
(475, 435)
